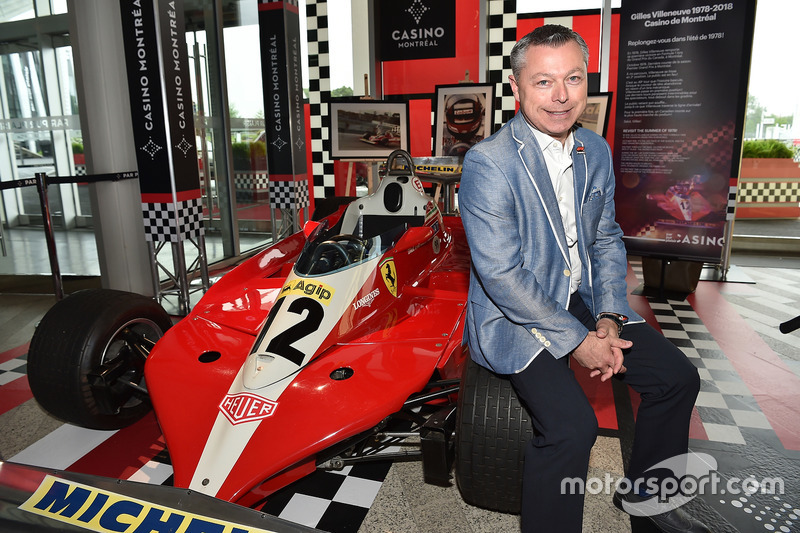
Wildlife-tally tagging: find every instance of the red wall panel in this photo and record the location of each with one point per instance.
(419, 121)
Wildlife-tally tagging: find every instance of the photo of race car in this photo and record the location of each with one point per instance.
(389, 137)
(321, 351)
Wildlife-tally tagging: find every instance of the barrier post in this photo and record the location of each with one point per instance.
(41, 186)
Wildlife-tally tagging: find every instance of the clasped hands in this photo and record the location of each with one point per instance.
(601, 351)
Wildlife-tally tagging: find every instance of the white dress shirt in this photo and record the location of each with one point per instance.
(558, 158)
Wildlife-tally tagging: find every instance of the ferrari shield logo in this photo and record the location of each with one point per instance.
(389, 275)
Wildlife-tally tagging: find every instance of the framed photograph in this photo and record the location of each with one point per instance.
(595, 117)
(368, 129)
(463, 117)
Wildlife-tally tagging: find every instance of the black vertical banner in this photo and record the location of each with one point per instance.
(144, 86)
(146, 25)
(178, 92)
(279, 26)
(682, 84)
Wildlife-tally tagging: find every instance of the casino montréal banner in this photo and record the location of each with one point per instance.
(153, 34)
(417, 29)
(682, 88)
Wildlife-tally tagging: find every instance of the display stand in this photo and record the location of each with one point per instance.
(180, 277)
(445, 172)
(371, 162)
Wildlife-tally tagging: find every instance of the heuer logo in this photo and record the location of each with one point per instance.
(246, 407)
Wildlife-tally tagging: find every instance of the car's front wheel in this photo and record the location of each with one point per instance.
(492, 431)
(87, 355)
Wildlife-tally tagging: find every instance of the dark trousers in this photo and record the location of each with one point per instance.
(566, 427)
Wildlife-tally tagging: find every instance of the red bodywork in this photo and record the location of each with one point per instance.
(394, 347)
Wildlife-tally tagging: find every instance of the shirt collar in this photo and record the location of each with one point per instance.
(545, 140)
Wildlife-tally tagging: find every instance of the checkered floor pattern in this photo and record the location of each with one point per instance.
(13, 369)
(725, 403)
(335, 501)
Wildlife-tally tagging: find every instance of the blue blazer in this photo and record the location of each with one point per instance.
(519, 284)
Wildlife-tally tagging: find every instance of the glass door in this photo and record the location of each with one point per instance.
(40, 132)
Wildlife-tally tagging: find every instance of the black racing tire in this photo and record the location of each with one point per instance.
(79, 335)
(492, 432)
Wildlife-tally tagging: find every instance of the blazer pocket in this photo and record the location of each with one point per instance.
(593, 208)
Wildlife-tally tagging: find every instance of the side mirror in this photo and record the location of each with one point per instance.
(312, 229)
(414, 237)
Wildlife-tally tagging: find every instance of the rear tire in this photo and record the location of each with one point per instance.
(90, 331)
(492, 432)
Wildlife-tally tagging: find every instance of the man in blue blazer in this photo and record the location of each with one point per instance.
(548, 283)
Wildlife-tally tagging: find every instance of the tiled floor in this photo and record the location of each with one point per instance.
(746, 419)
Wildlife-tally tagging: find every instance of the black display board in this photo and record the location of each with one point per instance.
(417, 29)
(683, 70)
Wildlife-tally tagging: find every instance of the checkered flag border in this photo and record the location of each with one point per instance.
(288, 194)
(173, 222)
(502, 35)
(319, 94)
(769, 192)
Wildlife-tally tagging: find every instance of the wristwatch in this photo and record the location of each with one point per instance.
(619, 320)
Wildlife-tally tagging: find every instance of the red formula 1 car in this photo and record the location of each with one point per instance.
(315, 353)
(389, 137)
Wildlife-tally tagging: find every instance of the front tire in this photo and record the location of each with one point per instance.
(87, 355)
(492, 431)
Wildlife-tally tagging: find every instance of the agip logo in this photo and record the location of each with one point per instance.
(246, 407)
(317, 290)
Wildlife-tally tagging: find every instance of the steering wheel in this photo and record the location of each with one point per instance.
(321, 262)
(355, 248)
(337, 252)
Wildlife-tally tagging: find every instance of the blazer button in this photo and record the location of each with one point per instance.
(567, 272)
(547, 344)
(533, 330)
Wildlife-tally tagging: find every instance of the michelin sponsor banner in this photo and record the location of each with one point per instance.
(163, 122)
(682, 87)
(84, 507)
(417, 29)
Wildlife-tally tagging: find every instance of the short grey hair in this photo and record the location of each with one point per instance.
(551, 35)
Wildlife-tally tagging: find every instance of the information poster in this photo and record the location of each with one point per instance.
(682, 87)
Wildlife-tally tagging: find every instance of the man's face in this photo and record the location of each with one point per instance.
(551, 89)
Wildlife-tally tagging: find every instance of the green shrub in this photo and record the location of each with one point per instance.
(241, 155)
(766, 148)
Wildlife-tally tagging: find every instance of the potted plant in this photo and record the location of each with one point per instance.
(78, 158)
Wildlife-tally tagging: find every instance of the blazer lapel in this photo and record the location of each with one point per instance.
(579, 172)
(531, 158)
